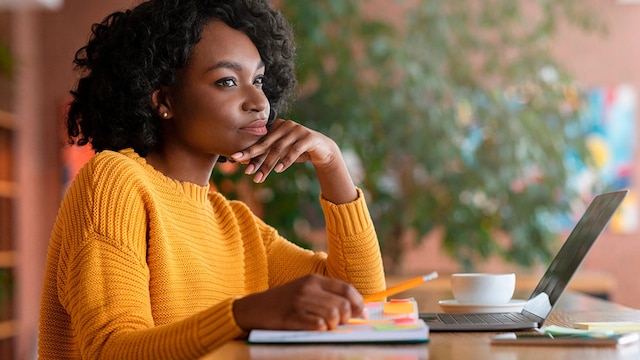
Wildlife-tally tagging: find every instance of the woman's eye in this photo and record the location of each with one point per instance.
(259, 80)
(229, 82)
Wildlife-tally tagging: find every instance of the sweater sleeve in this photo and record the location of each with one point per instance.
(108, 301)
(353, 250)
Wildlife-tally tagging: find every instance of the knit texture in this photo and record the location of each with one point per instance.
(141, 266)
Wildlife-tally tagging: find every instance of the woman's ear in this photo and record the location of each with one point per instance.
(160, 103)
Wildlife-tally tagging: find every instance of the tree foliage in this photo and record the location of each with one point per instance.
(6, 61)
(458, 118)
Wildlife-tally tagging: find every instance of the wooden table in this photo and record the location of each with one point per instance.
(572, 307)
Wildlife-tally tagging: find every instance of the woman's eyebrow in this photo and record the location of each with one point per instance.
(225, 65)
(231, 65)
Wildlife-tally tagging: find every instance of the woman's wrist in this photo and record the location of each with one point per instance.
(336, 185)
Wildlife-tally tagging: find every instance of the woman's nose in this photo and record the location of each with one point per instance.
(255, 100)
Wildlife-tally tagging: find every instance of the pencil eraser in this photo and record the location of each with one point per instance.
(399, 300)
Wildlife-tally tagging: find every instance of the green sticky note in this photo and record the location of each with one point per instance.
(559, 331)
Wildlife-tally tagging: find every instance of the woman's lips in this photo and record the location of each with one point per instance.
(258, 127)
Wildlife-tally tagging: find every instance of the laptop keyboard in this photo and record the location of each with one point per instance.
(482, 318)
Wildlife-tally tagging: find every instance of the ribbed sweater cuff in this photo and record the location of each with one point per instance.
(349, 218)
(217, 325)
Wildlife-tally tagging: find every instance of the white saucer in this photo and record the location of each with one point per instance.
(453, 306)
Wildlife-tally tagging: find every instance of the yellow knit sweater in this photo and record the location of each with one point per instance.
(142, 266)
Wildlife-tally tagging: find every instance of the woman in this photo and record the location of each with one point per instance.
(144, 260)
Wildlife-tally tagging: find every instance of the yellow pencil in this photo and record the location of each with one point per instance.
(381, 296)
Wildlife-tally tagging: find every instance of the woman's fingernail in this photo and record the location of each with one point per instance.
(258, 177)
(279, 168)
(365, 313)
(250, 168)
(237, 156)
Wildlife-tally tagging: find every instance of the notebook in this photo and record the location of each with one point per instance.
(395, 321)
(553, 283)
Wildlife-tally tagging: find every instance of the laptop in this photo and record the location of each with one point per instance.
(555, 280)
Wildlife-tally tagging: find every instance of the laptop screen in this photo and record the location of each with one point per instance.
(572, 253)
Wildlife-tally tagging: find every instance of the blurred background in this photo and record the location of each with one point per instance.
(479, 130)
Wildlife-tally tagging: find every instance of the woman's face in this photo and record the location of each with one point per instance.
(217, 106)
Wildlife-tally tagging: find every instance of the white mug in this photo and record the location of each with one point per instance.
(483, 288)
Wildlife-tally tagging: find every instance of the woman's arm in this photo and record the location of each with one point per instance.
(288, 142)
(354, 254)
(296, 300)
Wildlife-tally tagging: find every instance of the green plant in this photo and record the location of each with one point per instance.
(6, 285)
(6, 60)
(459, 118)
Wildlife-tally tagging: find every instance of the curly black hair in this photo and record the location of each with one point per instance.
(132, 53)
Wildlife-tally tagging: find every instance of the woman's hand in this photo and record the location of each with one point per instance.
(286, 143)
(312, 302)
(289, 142)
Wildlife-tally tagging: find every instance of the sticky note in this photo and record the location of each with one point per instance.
(342, 330)
(405, 321)
(373, 305)
(560, 331)
(397, 308)
(617, 326)
(359, 321)
(396, 327)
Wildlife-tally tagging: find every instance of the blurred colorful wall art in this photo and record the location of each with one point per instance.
(611, 138)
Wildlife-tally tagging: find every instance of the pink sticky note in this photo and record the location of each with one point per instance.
(405, 321)
(373, 305)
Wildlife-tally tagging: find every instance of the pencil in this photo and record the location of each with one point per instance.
(381, 296)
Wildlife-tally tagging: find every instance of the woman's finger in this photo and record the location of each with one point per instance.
(332, 308)
(346, 291)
